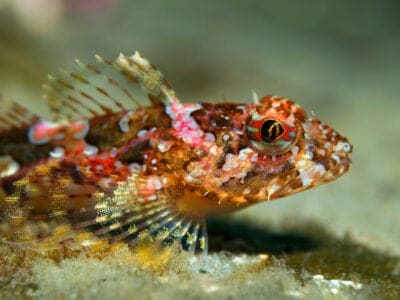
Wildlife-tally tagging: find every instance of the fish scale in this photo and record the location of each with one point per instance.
(122, 159)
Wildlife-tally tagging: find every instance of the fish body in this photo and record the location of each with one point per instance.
(123, 158)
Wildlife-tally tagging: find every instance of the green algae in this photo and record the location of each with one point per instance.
(311, 249)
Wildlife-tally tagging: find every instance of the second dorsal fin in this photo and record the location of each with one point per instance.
(107, 86)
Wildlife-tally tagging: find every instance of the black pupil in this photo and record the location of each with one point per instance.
(271, 130)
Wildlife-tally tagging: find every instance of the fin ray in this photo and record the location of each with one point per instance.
(107, 86)
(14, 115)
(57, 203)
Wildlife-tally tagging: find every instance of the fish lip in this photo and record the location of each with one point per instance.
(347, 162)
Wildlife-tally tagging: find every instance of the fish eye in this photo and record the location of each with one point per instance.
(270, 135)
(271, 130)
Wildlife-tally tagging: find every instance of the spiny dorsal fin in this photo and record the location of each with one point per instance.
(13, 115)
(107, 86)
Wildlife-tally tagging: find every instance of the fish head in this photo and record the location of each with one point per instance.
(268, 150)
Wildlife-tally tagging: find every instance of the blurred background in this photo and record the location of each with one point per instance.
(339, 59)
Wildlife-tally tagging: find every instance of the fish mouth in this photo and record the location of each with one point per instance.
(335, 169)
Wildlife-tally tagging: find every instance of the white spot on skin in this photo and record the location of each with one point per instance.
(310, 171)
(327, 145)
(57, 152)
(184, 125)
(195, 170)
(152, 197)
(241, 176)
(305, 178)
(142, 133)
(309, 155)
(123, 123)
(295, 150)
(254, 158)
(231, 162)
(246, 191)
(276, 104)
(272, 111)
(247, 153)
(153, 161)
(342, 146)
(335, 158)
(135, 168)
(154, 183)
(237, 131)
(114, 152)
(209, 137)
(8, 166)
(255, 115)
(345, 146)
(190, 179)
(237, 166)
(118, 164)
(301, 163)
(164, 146)
(90, 150)
(225, 137)
(214, 150)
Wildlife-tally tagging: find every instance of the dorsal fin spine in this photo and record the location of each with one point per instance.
(14, 115)
(103, 87)
(113, 82)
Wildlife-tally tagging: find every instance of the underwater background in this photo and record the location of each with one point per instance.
(338, 59)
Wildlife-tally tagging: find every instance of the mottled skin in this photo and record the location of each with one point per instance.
(163, 167)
